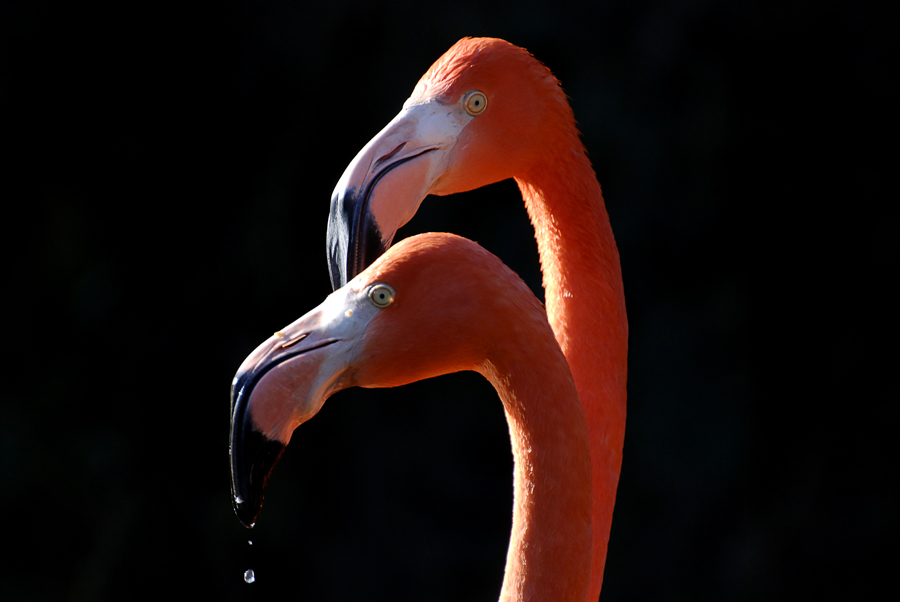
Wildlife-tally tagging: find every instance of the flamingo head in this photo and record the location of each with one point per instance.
(484, 112)
(380, 330)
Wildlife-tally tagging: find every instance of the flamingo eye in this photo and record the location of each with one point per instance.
(381, 295)
(475, 102)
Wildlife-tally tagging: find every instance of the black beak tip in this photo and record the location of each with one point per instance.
(354, 239)
(246, 511)
(252, 460)
(341, 220)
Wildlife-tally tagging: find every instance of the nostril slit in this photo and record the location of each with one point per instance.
(294, 341)
(388, 156)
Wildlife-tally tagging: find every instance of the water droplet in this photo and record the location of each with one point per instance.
(249, 576)
(238, 500)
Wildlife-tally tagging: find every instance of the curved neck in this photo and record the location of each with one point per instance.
(549, 555)
(586, 308)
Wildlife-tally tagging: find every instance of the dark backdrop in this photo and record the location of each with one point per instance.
(168, 175)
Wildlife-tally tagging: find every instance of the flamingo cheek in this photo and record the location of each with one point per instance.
(288, 395)
(398, 195)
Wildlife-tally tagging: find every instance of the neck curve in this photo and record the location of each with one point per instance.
(549, 556)
(586, 309)
(459, 308)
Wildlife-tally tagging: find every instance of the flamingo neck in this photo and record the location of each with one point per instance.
(586, 309)
(549, 555)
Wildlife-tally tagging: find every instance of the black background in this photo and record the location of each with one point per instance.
(166, 190)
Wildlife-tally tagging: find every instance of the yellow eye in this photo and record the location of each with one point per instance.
(381, 295)
(475, 102)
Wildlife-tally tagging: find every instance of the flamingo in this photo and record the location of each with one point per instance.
(436, 304)
(488, 111)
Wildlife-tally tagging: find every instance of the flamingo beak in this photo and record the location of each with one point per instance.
(281, 385)
(386, 182)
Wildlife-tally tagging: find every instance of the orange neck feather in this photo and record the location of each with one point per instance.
(549, 555)
(586, 308)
